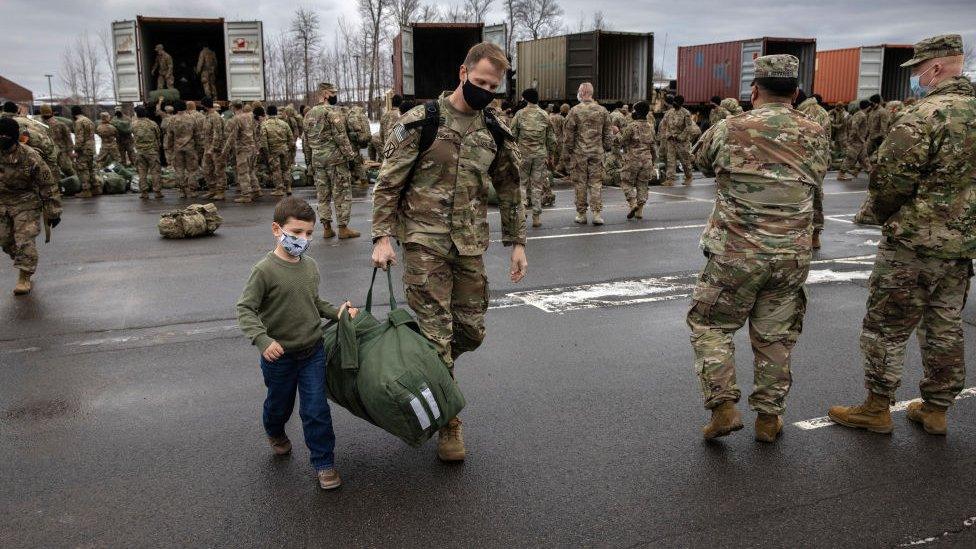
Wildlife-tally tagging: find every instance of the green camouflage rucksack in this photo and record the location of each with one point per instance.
(192, 221)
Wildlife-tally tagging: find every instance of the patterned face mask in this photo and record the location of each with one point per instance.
(294, 245)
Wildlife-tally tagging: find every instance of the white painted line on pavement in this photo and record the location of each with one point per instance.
(817, 423)
(845, 192)
(692, 198)
(622, 231)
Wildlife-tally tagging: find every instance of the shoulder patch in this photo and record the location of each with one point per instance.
(397, 136)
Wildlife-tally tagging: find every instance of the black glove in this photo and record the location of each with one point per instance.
(54, 222)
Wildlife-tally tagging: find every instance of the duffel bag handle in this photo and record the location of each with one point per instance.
(347, 343)
(389, 283)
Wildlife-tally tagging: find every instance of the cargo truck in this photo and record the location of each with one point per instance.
(618, 64)
(851, 74)
(727, 69)
(239, 47)
(427, 56)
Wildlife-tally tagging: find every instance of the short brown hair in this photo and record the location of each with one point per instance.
(489, 51)
(293, 208)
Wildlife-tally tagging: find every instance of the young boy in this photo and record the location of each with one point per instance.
(280, 312)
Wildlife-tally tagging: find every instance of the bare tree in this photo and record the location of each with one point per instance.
(403, 12)
(538, 18)
(305, 27)
(428, 14)
(69, 75)
(600, 21)
(81, 70)
(373, 12)
(969, 58)
(475, 10)
(455, 14)
(108, 51)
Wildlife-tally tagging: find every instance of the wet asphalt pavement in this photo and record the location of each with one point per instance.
(130, 404)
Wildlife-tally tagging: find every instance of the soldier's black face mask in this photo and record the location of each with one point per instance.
(333, 100)
(476, 97)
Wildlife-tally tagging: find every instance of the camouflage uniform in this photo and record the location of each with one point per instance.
(877, 124)
(109, 152)
(586, 137)
(181, 138)
(357, 125)
(146, 136)
(207, 69)
(27, 189)
(732, 105)
(163, 67)
(258, 159)
(214, 163)
(200, 137)
(674, 134)
(857, 135)
(537, 141)
(812, 110)
(387, 121)
(240, 143)
(639, 160)
(275, 137)
(922, 193)
(767, 164)
(295, 125)
(717, 114)
(442, 220)
(838, 130)
(61, 135)
(331, 152)
(38, 139)
(85, 154)
(127, 153)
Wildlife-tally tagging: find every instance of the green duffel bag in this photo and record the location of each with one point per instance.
(389, 374)
(492, 195)
(168, 94)
(298, 177)
(70, 185)
(127, 173)
(167, 178)
(113, 183)
(67, 122)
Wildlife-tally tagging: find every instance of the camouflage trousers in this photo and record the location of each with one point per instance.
(333, 184)
(184, 165)
(818, 215)
(307, 156)
(769, 293)
(635, 177)
(856, 159)
(146, 165)
(164, 80)
(85, 170)
(587, 176)
(280, 170)
(18, 229)
(611, 168)
(535, 174)
(214, 170)
(675, 151)
(242, 172)
(64, 165)
(108, 154)
(908, 291)
(127, 151)
(357, 169)
(449, 295)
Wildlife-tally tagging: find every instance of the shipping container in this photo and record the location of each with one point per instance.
(618, 64)
(727, 69)
(427, 56)
(851, 74)
(239, 46)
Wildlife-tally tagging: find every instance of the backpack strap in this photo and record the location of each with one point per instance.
(498, 132)
(428, 125)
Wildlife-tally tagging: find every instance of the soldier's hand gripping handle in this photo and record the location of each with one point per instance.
(383, 254)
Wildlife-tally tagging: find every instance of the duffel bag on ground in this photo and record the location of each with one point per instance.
(389, 374)
(169, 95)
(127, 173)
(168, 178)
(70, 185)
(192, 221)
(113, 183)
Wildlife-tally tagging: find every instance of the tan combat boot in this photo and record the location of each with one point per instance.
(688, 179)
(597, 218)
(633, 210)
(143, 196)
(536, 220)
(725, 419)
(668, 184)
(450, 442)
(327, 231)
(159, 195)
(243, 199)
(346, 232)
(257, 194)
(768, 427)
(207, 195)
(581, 218)
(843, 177)
(85, 194)
(640, 212)
(277, 192)
(219, 195)
(816, 240)
(23, 286)
(280, 445)
(932, 417)
(874, 415)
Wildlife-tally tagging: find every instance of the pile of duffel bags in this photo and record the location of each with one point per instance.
(389, 374)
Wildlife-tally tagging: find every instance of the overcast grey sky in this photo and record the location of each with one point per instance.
(33, 33)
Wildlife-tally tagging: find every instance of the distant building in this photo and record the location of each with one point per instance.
(9, 91)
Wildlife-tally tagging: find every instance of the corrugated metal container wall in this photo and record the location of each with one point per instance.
(624, 66)
(895, 81)
(398, 64)
(707, 70)
(836, 75)
(542, 64)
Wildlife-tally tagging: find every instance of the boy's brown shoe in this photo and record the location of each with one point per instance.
(450, 442)
(280, 444)
(725, 419)
(932, 417)
(329, 479)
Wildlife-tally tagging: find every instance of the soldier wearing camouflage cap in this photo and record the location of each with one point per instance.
(331, 152)
(61, 135)
(768, 164)
(921, 192)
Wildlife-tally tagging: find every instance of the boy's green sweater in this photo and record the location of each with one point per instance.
(281, 303)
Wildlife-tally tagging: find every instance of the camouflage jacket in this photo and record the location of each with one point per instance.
(586, 132)
(146, 136)
(445, 202)
(181, 133)
(123, 126)
(812, 110)
(557, 121)
(240, 134)
(619, 119)
(838, 123)
(26, 182)
(857, 128)
(84, 135)
(638, 140)
(39, 140)
(923, 188)
(533, 132)
(387, 121)
(876, 123)
(732, 105)
(163, 63)
(718, 113)
(357, 126)
(676, 125)
(107, 132)
(328, 141)
(213, 131)
(294, 124)
(768, 164)
(276, 135)
(59, 133)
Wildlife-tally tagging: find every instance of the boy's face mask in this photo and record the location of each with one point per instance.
(294, 245)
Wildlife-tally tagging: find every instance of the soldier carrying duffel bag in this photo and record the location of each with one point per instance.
(192, 221)
(389, 374)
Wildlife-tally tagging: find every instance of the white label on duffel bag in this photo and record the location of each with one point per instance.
(431, 402)
(418, 410)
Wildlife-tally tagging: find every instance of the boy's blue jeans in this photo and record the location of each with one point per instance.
(304, 372)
